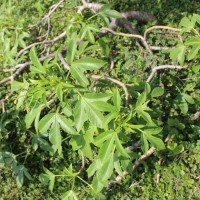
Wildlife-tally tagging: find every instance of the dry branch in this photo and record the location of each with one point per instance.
(159, 27)
(155, 69)
(130, 35)
(135, 165)
(43, 42)
(21, 67)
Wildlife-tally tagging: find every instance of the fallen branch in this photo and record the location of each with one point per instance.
(51, 11)
(159, 27)
(130, 35)
(135, 165)
(21, 67)
(43, 42)
(155, 69)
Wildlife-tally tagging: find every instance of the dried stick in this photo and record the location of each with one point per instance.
(66, 66)
(135, 165)
(130, 35)
(43, 42)
(83, 163)
(51, 11)
(21, 67)
(196, 116)
(117, 82)
(155, 69)
(159, 27)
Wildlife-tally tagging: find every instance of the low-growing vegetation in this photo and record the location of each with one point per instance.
(99, 99)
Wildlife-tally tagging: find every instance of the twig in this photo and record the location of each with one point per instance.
(117, 82)
(51, 11)
(83, 163)
(95, 7)
(134, 146)
(21, 67)
(66, 66)
(159, 27)
(196, 116)
(135, 165)
(130, 35)
(155, 69)
(43, 42)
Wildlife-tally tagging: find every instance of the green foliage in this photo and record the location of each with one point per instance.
(56, 118)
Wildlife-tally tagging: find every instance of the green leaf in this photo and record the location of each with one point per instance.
(105, 7)
(79, 116)
(46, 122)
(16, 85)
(82, 47)
(20, 171)
(106, 149)
(188, 98)
(156, 142)
(55, 136)
(153, 130)
(117, 166)
(145, 116)
(92, 97)
(145, 144)
(99, 140)
(59, 92)
(106, 170)
(38, 68)
(157, 91)
(69, 195)
(108, 118)
(97, 185)
(178, 53)
(89, 63)
(117, 99)
(192, 54)
(113, 14)
(141, 99)
(105, 19)
(147, 88)
(71, 51)
(79, 76)
(187, 24)
(22, 96)
(93, 27)
(119, 147)
(30, 116)
(197, 18)
(66, 125)
(103, 106)
(90, 36)
(93, 167)
(51, 178)
(94, 116)
(183, 107)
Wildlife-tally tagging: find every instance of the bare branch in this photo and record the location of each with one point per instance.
(66, 66)
(130, 35)
(43, 42)
(196, 116)
(135, 165)
(21, 67)
(51, 11)
(155, 69)
(159, 27)
(83, 163)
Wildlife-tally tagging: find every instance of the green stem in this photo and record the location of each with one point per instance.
(85, 182)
